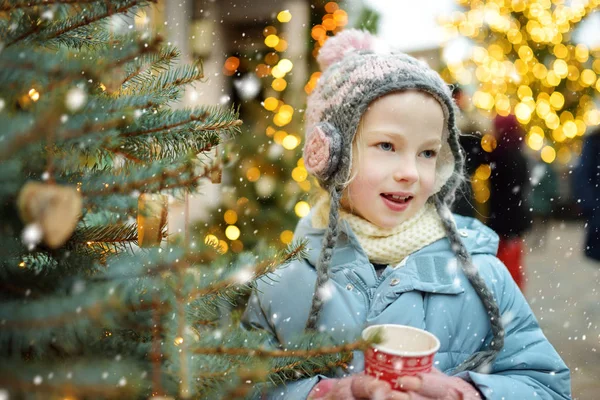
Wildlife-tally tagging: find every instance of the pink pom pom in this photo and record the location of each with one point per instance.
(348, 40)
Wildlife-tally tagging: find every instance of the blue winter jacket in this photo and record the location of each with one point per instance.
(426, 290)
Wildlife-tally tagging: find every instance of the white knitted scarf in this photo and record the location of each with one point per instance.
(387, 246)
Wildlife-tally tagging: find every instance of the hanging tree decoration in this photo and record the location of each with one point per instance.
(51, 209)
(151, 218)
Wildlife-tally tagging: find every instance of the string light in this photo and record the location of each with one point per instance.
(232, 232)
(284, 16)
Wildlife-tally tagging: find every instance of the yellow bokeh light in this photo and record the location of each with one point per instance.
(34, 94)
(230, 217)
(552, 78)
(290, 142)
(299, 174)
(488, 143)
(524, 91)
(285, 65)
(557, 100)
(279, 84)
(561, 69)
(581, 53)
(284, 16)
(280, 119)
(573, 73)
(535, 140)
(272, 40)
(561, 51)
(223, 247)
(548, 154)
(539, 71)
(481, 191)
(271, 103)
(277, 72)
(331, 7)
(211, 240)
(232, 232)
(588, 77)
(253, 174)
(340, 17)
(302, 209)
(525, 53)
(286, 111)
(542, 108)
(523, 113)
(269, 30)
(483, 100)
(483, 172)
(552, 121)
(570, 129)
(559, 135)
(280, 136)
(286, 237)
(282, 45)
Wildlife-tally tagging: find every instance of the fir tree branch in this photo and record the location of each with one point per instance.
(180, 177)
(266, 353)
(172, 78)
(295, 251)
(76, 378)
(157, 62)
(81, 20)
(10, 5)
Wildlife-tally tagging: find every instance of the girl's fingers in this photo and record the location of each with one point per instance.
(364, 386)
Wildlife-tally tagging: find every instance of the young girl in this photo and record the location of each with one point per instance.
(385, 249)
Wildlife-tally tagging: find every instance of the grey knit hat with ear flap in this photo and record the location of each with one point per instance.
(356, 70)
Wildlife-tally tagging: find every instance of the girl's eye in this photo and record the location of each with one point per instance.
(429, 153)
(386, 146)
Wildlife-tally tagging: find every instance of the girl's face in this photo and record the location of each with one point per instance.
(394, 162)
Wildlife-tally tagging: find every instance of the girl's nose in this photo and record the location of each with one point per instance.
(406, 171)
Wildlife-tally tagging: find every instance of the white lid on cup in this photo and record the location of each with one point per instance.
(403, 340)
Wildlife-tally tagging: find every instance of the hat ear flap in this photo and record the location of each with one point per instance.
(322, 152)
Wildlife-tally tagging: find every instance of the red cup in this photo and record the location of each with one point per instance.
(403, 351)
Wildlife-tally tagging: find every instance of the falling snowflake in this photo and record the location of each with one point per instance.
(326, 291)
(245, 275)
(507, 318)
(2, 104)
(75, 99)
(32, 235)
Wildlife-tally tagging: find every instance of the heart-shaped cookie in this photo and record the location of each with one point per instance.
(56, 208)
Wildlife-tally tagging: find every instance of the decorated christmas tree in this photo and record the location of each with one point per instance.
(94, 301)
(525, 61)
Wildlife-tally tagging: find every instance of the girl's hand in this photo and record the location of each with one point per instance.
(355, 387)
(438, 386)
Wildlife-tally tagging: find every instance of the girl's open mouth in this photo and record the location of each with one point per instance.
(396, 203)
(397, 199)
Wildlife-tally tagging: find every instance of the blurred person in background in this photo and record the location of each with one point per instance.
(586, 188)
(544, 192)
(471, 126)
(510, 214)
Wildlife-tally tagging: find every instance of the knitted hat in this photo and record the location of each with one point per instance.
(356, 70)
